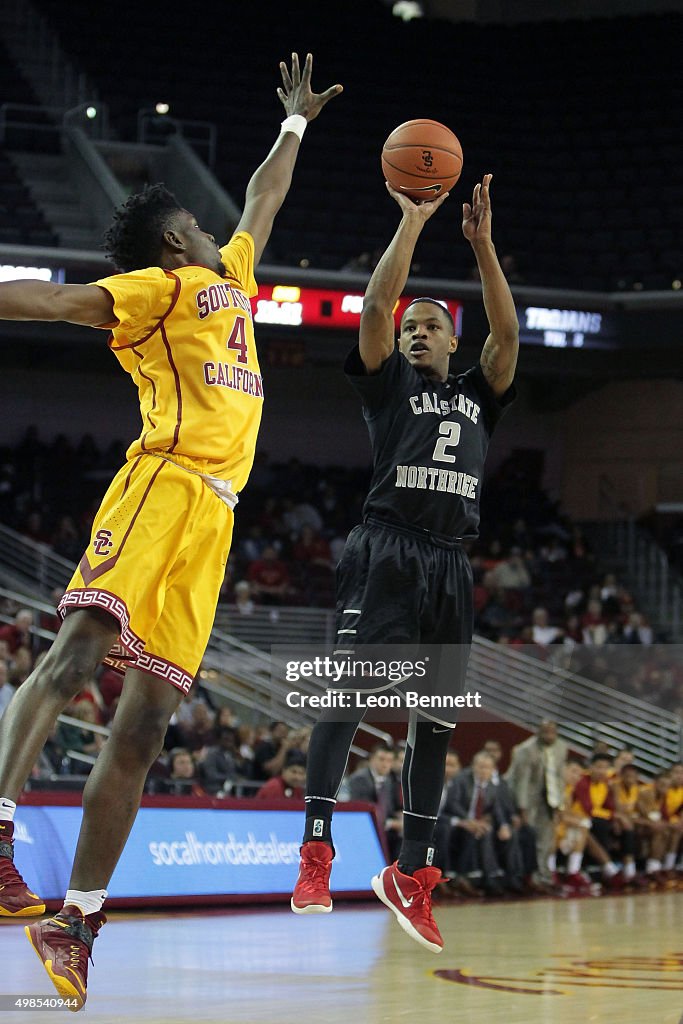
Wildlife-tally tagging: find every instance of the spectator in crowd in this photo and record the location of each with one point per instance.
(442, 833)
(200, 732)
(110, 685)
(270, 752)
(510, 574)
(246, 739)
(269, 577)
(637, 631)
(225, 716)
(535, 777)
(543, 633)
(18, 633)
(312, 549)
(182, 779)
(20, 666)
(476, 821)
(218, 768)
(244, 603)
(374, 783)
(290, 783)
(184, 716)
(593, 624)
(518, 854)
(80, 739)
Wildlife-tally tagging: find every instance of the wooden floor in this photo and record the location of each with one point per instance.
(613, 960)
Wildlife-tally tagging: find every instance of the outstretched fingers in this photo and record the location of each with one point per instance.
(286, 79)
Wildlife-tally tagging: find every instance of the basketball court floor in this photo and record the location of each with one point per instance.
(613, 960)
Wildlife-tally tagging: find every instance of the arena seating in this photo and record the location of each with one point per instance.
(20, 221)
(577, 120)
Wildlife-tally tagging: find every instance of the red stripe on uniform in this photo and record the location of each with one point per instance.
(179, 394)
(86, 570)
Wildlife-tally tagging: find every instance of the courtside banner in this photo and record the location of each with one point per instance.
(186, 851)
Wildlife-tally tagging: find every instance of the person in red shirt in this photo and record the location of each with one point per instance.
(269, 577)
(312, 548)
(289, 784)
(593, 796)
(18, 633)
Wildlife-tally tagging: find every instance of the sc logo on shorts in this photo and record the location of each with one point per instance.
(102, 542)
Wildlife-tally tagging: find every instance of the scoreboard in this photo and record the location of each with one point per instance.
(294, 306)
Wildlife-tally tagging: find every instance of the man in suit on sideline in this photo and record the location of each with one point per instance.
(535, 777)
(477, 821)
(442, 833)
(374, 783)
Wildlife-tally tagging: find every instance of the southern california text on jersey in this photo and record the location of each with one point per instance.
(187, 339)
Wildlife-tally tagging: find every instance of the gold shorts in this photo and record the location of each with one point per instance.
(156, 561)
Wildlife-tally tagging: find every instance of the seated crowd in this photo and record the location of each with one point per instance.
(553, 824)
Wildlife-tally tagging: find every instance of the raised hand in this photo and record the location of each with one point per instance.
(296, 95)
(476, 218)
(422, 211)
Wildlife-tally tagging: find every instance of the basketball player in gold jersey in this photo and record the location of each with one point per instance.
(144, 595)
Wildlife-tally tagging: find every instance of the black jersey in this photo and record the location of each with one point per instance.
(429, 443)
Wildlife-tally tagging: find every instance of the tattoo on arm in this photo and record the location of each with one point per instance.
(490, 362)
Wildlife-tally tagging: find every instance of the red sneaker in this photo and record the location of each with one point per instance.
(312, 890)
(410, 898)
(614, 883)
(579, 884)
(64, 943)
(16, 899)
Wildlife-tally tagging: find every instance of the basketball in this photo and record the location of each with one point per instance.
(422, 159)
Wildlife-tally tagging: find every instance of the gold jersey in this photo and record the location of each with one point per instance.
(187, 339)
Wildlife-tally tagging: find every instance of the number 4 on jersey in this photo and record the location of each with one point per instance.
(237, 340)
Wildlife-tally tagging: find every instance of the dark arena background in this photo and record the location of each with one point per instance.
(575, 107)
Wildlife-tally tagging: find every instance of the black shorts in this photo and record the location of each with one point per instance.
(396, 586)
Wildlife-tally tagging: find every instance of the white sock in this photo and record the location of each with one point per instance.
(653, 865)
(7, 809)
(669, 861)
(575, 860)
(610, 869)
(88, 902)
(552, 862)
(629, 869)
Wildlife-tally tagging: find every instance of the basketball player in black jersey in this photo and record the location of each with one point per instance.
(404, 577)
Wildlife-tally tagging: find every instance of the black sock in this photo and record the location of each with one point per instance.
(328, 752)
(415, 854)
(318, 821)
(422, 783)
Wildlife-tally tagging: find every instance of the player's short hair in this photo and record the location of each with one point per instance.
(435, 302)
(134, 238)
(601, 757)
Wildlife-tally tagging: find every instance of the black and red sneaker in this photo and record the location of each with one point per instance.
(16, 899)
(312, 890)
(410, 898)
(64, 944)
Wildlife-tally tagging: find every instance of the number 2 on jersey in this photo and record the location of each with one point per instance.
(237, 340)
(450, 437)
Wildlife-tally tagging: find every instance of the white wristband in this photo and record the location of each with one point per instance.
(294, 123)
